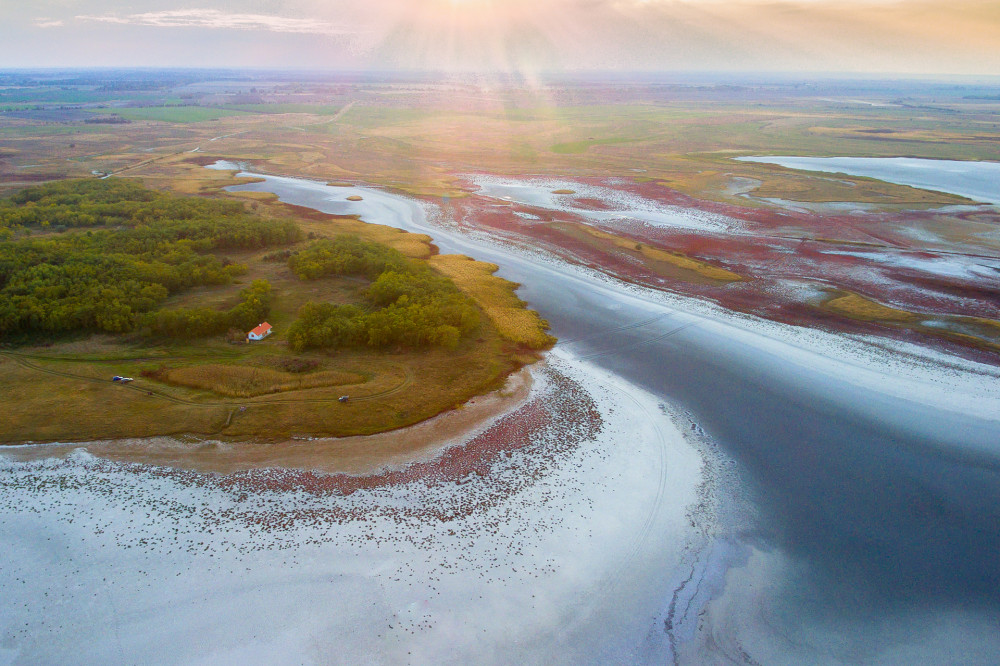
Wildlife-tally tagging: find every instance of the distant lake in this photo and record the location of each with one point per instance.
(979, 181)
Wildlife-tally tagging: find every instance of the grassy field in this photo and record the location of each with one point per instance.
(240, 381)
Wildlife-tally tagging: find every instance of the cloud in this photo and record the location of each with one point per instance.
(219, 20)
(48, 23)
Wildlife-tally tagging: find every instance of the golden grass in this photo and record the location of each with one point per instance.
(563, 191)
(990, 324)
(681, 261)
(239, 381)
(263, 197)
(654, 254)
(496, 297)
(858, 307)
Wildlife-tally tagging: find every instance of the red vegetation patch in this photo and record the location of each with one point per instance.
(870, 253)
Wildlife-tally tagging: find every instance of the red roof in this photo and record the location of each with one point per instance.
(261, 329)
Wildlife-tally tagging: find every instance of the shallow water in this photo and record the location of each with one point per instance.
(540, 193)
(979, 181)
(878, 496)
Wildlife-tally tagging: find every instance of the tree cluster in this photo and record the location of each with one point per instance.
(406, 304)
(345, 255)
(139, 247)
(190, 323)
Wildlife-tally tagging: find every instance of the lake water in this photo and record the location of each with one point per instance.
(875, 528)
(979, 181)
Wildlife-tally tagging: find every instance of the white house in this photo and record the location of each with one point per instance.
(260, 332)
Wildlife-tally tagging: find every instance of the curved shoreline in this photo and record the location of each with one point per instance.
(556, 538)
(359, 455)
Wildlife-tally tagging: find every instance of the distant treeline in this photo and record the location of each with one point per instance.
(113, 119)
(138, 247)
(407, 303)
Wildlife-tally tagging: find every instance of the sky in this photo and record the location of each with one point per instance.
(917, 37)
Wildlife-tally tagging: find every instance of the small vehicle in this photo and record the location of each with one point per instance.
(343, 398)
(119, 378)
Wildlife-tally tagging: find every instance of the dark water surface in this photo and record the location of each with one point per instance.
(890, 505)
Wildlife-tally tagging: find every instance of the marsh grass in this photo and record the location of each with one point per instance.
(655, 258)
(976, 332)
(856, 306)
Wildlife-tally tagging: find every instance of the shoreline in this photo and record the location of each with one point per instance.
(358, 455)
(555, 529)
